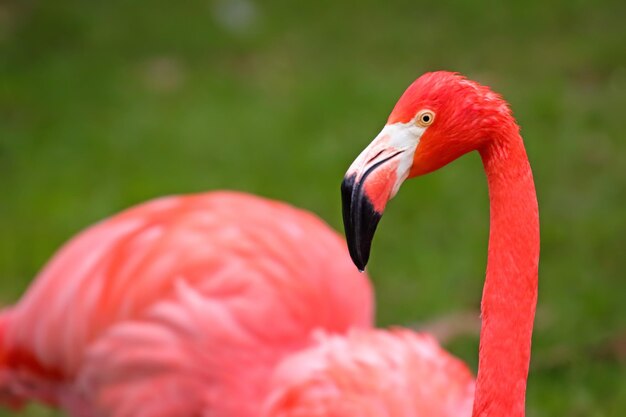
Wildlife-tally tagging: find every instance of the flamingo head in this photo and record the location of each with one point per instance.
(440, 117)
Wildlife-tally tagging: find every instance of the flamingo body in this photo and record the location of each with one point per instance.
(178, 306)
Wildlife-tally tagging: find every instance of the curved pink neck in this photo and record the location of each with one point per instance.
(510, 292)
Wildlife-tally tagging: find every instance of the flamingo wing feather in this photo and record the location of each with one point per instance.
(168, 289)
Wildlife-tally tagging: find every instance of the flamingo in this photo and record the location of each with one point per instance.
(220, 304)
(440, 117)
(181, 306)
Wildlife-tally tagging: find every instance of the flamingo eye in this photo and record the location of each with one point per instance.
(425, 118)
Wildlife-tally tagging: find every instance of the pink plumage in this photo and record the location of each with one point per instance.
(372, 373)
(178, 306)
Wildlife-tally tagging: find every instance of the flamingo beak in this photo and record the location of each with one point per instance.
(370, 182)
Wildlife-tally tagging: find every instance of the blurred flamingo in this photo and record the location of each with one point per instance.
(219, 304)
(223, 304)
(440, 117)
(178, 306)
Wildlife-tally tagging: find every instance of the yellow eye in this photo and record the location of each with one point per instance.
(425, 118)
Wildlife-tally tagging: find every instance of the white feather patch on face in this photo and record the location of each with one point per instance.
(403, 137)
(393, 138)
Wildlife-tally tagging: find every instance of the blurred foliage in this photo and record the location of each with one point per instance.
(107, 104)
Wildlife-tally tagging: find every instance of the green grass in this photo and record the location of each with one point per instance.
(106, 105)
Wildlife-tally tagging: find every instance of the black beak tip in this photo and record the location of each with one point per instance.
(359, 219)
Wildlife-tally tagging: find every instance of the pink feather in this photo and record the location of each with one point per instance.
(178, 305)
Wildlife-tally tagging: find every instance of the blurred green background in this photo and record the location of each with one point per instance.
(107, 104)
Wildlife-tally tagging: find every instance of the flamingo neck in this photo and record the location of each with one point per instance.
(510, 291)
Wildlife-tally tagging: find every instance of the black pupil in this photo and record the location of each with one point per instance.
(426, 118)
